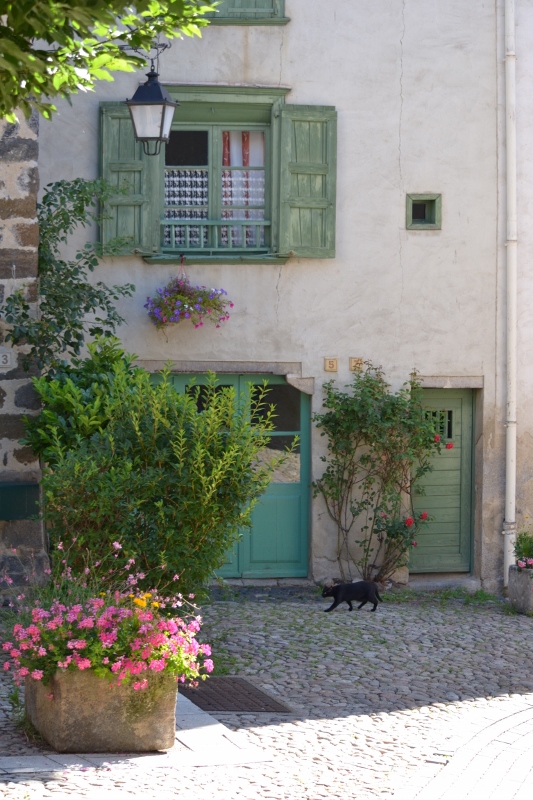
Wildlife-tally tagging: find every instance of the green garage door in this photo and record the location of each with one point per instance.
(446, 543)
(277, 545)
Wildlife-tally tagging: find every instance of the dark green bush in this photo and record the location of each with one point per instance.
(170, 484)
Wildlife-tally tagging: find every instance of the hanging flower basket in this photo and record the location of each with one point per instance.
(179, 301)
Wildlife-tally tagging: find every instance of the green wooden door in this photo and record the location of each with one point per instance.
(446, 543)
(277, 545)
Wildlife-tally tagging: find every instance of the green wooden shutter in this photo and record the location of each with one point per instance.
(134, 214)
(307, 181)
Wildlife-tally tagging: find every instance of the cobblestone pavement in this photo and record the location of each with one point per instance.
(380, 701)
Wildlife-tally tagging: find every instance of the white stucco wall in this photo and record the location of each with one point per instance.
(415, 84)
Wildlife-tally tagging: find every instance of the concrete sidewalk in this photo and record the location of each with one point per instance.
(494, 765)
(200, 741)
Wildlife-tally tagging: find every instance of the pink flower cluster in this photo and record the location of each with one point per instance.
(124, 635)
(526, 562)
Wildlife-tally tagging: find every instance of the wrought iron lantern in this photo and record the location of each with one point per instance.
(152, 111)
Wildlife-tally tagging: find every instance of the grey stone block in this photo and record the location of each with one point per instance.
(27, 397)
(78, 712)
(520, 589)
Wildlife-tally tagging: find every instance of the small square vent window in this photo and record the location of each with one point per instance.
(423, 212)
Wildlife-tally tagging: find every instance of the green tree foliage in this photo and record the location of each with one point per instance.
(171, 484)
(51, 48)
(379, 447)
(69, 306)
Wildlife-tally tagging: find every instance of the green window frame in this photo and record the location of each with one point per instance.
(244, 224)
(300, 178)
(423, 212)
(249, 12)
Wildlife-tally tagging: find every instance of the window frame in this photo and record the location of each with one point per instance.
(436, 206)
(276, 16)
(302, 173)
(214, 203)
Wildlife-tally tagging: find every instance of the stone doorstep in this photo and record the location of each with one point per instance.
(208, 743)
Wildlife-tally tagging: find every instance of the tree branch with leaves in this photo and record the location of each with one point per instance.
(69, 306)
(50, 48)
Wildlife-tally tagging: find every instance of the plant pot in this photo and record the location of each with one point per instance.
(78, 712)
(520, 589)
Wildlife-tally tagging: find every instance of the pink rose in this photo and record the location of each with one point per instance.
(436, 438)
(424, 515)
(409, 522)
(449, 445)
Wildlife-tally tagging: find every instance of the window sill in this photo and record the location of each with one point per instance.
(264, 258)
(237, 21)
(423, 226)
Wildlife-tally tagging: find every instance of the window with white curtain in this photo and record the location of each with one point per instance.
(215, 189)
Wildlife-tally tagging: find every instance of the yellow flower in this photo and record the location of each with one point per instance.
(102, 594)
(140, 602)
(131, 595)
(155, 605)
(147, 594)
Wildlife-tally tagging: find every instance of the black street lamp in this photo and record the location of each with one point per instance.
(152, 111)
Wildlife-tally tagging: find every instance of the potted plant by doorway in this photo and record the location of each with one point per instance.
(520, 590)
(101, 668)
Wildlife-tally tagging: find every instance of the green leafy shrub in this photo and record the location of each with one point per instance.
(73, 400)
(523, 548)
(171, 483)
(379, 447)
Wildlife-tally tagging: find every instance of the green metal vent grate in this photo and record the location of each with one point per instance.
(19, 500)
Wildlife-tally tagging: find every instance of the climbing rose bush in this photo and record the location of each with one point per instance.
(126, 637)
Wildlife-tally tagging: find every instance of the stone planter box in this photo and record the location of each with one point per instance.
(77, 712)
(520, 589)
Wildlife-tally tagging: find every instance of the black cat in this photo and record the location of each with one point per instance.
(367, 591)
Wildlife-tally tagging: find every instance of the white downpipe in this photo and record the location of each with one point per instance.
(509, 524)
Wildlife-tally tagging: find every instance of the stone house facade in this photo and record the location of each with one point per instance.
(360, 155)
(22, 548)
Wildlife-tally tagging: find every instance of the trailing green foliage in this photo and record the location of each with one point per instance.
(74, 400)
(66, 297)
(50, 48)
(171, 484)
(379, 447)
(523, 548)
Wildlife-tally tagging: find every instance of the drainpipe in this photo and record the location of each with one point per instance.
(509, 524)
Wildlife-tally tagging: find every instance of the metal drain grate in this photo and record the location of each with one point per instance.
(231, 694)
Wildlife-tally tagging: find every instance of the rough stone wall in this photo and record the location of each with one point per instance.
(22, 550)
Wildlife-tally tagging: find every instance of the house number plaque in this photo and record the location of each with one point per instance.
(5, 360)
(331, 364)
(356, 364)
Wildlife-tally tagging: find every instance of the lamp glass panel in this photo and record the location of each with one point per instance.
(147, 120)
(168, 116)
